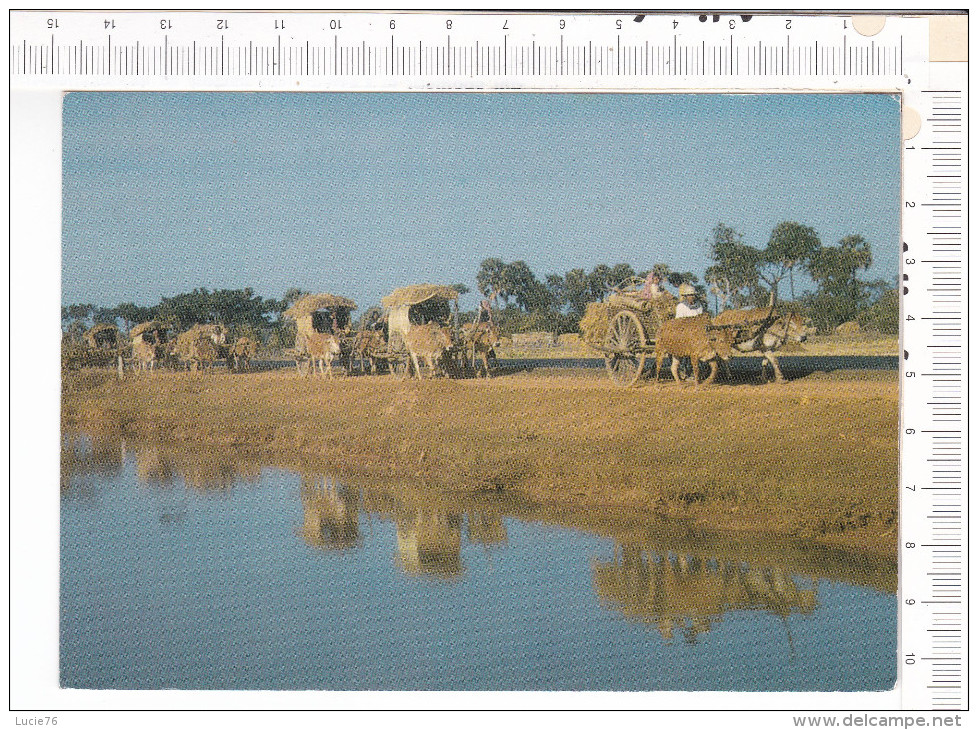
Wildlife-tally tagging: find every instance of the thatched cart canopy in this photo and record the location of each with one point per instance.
(411, 295)
(314, 302)
(103, 332)
(151, 326)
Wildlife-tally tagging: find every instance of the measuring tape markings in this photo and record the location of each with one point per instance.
(205, 49)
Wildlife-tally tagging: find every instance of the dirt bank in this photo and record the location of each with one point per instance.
(815, 458)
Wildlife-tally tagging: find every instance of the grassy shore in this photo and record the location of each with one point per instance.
(814, 459)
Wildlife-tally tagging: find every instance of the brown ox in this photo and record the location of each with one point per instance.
(429, 342)
(243, 352)
(689, 337)
(322, 349)
(367, 343)
(200, 345)
(764, 330)
(481, 340)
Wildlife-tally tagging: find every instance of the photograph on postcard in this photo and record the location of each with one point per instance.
(480, 391)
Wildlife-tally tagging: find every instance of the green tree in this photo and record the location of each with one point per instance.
(558, 295)
(292, 295)
(598, 282)
(790, 245)
(491, 279)
(521, 283)
(841, 294)
(184, 310)
(577, 291)
(883, 315)
(734, 275)
(620, 274)
(131, 314)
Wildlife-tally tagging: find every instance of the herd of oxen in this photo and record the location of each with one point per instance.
(694, 340)
(203, 345)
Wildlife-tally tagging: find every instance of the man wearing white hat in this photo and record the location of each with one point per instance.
(688, 306)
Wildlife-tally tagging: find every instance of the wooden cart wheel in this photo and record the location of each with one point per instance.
(625, 338)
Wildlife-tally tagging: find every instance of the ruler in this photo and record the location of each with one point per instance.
(934, 491)
(914, 56)
(92, 47)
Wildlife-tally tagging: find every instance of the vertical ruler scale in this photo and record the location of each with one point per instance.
(220, 51)
(934, 535)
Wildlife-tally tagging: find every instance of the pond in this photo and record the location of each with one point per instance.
(210, 571)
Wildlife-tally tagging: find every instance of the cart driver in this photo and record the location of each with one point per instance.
(485, 312)
(374, 321)
(688, 306)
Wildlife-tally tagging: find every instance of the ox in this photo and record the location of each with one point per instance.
(146, 350)
(323, 349)
(689, 337)
(481, 340)
(368, 342)
(242, 352)
(201, 345)
(429, 342)
(763, 330)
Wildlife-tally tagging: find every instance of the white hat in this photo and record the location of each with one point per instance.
(686, 290)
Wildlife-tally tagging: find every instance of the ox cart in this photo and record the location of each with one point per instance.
(624, 327)
(419, 312)
(319, 317)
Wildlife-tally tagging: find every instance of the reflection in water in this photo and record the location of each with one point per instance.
(429, 542)
(152, 468)
(486, 528)
(688, 593)
(188, 581)
(330, 515)
(90, 455)
(679, 589)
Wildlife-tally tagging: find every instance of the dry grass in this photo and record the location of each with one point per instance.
(815, 458)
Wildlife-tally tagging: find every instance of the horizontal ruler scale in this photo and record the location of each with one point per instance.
(341, 59)
(449, 46)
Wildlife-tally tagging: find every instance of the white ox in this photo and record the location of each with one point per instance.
(764, 330)
(429, 342)
(322, 349)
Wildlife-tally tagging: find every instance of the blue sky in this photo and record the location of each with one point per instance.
(358, 194)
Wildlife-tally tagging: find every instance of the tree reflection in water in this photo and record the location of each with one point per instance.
(687, 593)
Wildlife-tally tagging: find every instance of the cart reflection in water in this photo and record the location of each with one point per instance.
(686, 593)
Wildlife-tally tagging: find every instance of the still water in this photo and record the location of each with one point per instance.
(208, 572)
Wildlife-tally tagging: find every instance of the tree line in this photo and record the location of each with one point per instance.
(740, 275)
